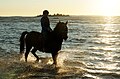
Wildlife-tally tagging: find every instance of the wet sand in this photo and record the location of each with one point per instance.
(12, 66)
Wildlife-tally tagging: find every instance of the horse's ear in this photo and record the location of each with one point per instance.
(59, 21)
(66, 22)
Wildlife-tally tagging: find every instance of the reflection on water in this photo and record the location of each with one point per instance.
(103, 46)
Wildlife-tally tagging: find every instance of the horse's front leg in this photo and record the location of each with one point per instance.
(33, 52)
(54, 56)
(27, 51)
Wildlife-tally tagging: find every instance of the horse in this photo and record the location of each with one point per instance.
(35, 41)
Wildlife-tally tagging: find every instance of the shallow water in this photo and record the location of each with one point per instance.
(92, 50)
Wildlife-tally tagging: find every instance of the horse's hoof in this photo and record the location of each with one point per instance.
(36, 61)
(55, 65)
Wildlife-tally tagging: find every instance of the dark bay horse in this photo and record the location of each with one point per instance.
(36, 40)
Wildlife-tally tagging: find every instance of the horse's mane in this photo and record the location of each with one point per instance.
(61, 30)
(60, 26)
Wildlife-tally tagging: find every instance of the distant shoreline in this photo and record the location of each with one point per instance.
(57, 16)
(54, 15)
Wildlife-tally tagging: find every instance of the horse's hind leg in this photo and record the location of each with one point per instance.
(54, 56)
(27, 52)
(21, 47)
(33, 52)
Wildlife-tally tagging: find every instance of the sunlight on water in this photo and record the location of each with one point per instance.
(109, 28)
(109, 48)
(108, 19)
(61, 57)
(91, 76)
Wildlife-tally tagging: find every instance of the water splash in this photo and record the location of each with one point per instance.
(62, 56)
(30, 58)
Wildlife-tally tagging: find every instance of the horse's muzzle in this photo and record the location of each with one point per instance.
(65, 38)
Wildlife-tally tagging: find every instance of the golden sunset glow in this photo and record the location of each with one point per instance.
(71, 7)
(109, 7)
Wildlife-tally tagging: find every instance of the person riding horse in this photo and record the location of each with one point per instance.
(47, 41)
(34, 40)
(45, 24)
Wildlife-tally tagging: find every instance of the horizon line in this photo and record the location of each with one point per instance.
(51, 15)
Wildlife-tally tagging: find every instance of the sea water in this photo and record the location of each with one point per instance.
(93, 43)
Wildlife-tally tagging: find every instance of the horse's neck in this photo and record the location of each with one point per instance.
(55, 37)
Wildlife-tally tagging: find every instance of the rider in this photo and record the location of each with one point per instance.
(45, 24)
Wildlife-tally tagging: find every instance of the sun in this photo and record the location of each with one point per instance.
(109, 7)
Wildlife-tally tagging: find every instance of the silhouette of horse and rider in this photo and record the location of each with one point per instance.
(47, 41)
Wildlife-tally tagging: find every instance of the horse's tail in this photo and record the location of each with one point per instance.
(22, 42)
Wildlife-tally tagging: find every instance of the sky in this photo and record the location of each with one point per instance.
(70, 7)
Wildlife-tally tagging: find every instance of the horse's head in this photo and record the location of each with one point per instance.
(61, 30)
